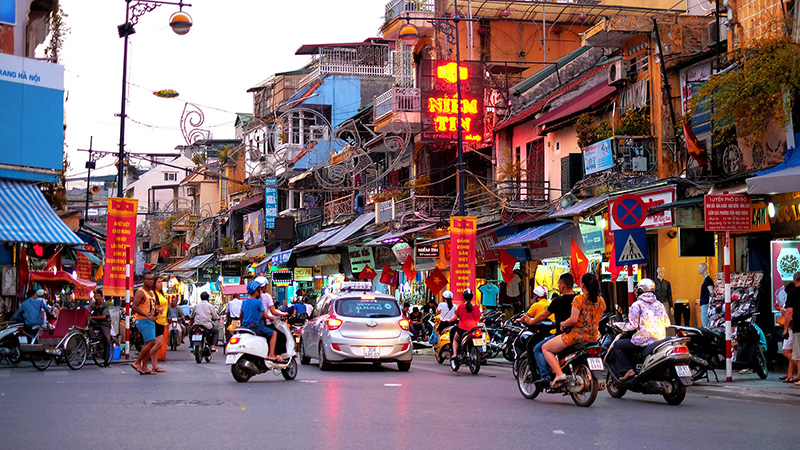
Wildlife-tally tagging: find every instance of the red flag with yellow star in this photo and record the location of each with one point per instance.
(367, 273)
(436, 281)
(408, 268)
(578, 262)
(507, 263)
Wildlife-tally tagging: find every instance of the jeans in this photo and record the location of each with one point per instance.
(704, 315)
(544, 368)
(622, 349)
(682, 312)
(416, 331)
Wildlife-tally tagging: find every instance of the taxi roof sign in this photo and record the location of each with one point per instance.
(357, 286)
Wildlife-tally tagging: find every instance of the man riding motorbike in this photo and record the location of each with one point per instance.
(649, 318)
(560, 309)
(204, 316)
(446, 312)
(30, 311)
(175, 312)
(253, 315)
(468, 316)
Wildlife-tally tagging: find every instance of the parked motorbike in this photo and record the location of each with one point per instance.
(661, 367)
(579, 362)
(526, 340)
(201, 343)
(707, 348)
(10, 339)
(511, 329)
(247, 354)
(16, 343)
(470, 350)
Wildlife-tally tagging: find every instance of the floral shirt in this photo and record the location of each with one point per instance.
(585, 329)
(649, 317)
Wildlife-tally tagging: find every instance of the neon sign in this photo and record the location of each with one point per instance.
(441, 105)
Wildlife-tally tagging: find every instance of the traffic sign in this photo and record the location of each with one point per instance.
(629, 211)
(630, 246)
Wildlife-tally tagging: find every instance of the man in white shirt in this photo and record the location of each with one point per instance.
(269, 303)
(233, 310)
(204, 315)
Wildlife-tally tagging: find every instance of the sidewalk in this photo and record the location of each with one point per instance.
(750, 385)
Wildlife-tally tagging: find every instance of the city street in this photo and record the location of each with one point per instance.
(361, 407)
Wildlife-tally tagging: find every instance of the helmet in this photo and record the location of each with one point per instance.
(468, 295)
(253, 286)
(262, 280)
(540, 291)
(447, 295)
(645, 285)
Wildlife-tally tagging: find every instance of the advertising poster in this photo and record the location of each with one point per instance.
(303, 274)
(270, 203)
(463, 240)
(83, 269)
(360, 257)
(598, 157)
(254, 228)
(785, 259)
(120, 242)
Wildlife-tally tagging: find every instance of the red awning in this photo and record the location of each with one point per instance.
(248, 202)
(50, 279)
(593, 98)
(234, 289)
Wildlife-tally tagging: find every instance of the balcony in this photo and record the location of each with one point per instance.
(365, 61)
(399, 104)
(342, 205)
(397, 9)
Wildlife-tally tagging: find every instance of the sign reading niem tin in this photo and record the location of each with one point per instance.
(427, 251)
(728, 212)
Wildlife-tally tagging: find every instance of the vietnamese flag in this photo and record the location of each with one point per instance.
(388, 275)
(436, 281)
(367, 273)
(507, 263)
(185, 246)
(149, 266)
(99, 274)
(579, 263)
(408, 268)
(164, 252)
(613, 269)
(693, 146)
(54, 262)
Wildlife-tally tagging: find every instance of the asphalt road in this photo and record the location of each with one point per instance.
(361, 407)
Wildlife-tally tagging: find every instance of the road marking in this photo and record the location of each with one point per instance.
(558, 432)
(392, 384)
(308, 381)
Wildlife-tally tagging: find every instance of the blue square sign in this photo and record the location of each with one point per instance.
(630, 246)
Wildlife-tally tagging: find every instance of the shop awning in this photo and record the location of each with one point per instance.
(25, 216)
(234, 289)
(394, 236)
(248, 202)
(317, 238)
(653, 210)
(256, 251)
(50, 279)
(780, 182)
(280, 258)
(530, 235)
(232, 257)
(196, 262)
(593, 98)
(578, 209)
(350, 229)
(325, 259)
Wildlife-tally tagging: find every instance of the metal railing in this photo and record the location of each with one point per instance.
(342, 205)
(396, 99)
(397, 8)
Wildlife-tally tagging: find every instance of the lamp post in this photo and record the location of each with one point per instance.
(180, 22)
(449, 26)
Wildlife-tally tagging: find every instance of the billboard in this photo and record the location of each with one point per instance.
(440, 103)
(254, 228)
(31, 119)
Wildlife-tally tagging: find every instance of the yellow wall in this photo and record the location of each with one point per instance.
(681, 272)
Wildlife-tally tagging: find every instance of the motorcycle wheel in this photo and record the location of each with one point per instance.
(760, 366)
(301, 350)
(238, 372)
(324, 364)
(75, 351)
(440, 355)
(698, 372)
(515, 368)
(173, 341)
(474, 361)
(525, 380)
(591, 387)
(677, 395)
(508, 352)
(41, 361)
(290, 372)
(614, 390)
(16, 354)
(454, 363)
(198, 354)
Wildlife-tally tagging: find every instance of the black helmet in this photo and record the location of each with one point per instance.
(468, 295)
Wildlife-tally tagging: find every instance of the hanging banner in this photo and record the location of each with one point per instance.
(270, 203)
(120, 242)
(728, 212)
(83, 269)
(463, 241)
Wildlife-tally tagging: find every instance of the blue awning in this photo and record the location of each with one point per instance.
(352, 228)
(25, 216)
(530, 235)
(196, 262)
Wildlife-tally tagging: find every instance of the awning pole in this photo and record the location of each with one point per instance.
(127, 313)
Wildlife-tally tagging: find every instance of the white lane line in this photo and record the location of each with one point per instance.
(392, 384)
(308, 381)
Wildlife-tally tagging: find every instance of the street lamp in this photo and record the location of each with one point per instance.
(180, 22)
(409, 35)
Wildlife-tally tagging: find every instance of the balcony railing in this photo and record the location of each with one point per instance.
(396, 8)
(342, 205)
(373, 62)
(397, 99)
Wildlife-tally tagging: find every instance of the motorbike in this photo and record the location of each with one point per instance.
(661, 367)
(707, 348)
(470, 350)
(247, 353)
(174, 334)
(10, 339)
(526, 340)
(579, 363)
(201, 346)
(442, 349)
(511, 329)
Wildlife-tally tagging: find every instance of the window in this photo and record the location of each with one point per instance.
(170, 176)
(369, 308)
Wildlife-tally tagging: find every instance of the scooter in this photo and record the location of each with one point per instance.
(579, 362)
(247, 353)
(10, 339)
(442, 349)
(661, 368)
(707, 348)
(174, 334)
(527, 339)
(470, 350)
(201, 347)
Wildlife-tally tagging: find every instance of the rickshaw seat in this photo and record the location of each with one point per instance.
(67, 318)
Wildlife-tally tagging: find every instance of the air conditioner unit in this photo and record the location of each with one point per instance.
(618, 72)
(712, 31)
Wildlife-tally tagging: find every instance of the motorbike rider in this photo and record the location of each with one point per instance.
(30, 311)
(253, 316)
(175, 312)
(268, 302)
(468, 316)
(446, 312)
(649, 318)
(540, 304)
(559, 310)
(204, 315)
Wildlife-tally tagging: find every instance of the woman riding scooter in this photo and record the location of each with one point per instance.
(446, 312)
(650, 320)
(468, 316)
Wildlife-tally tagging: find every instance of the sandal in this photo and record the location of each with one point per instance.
(783, 377)
(158, 370)
(277, 360)
(137, 369)
(556, 382)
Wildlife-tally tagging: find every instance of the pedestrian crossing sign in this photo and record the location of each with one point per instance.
(630, 246)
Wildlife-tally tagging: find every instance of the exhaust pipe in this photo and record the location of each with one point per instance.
(250, 367)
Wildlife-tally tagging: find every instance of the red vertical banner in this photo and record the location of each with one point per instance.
(463, 241)
(83, 269)
(120, 243)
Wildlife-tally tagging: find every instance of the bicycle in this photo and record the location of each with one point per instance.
(92, 346)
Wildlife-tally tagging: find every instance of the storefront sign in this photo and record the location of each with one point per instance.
(402, 251)
(229, 280)
(254, 228)
(270, 203)
(303, 274)
(440, 105)
(592, 237)
(786, 222)
(281, 259)
(360, 257)
(598, 157)
(231, 268)
(208, 274)
(120, 242)
(785, 259)
(649, 198)
(83, 269)
(427, 251)
(760, 217)
(463, 231)
(282, 278)
(727, 212)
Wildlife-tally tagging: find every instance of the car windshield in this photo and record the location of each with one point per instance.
(370, 308)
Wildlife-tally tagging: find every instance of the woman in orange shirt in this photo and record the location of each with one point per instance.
(587, 309)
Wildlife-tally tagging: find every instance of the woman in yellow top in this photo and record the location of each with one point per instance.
(587, 309)
(161, 322)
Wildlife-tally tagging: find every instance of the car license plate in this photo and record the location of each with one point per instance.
(595, 363)
(683, 371)
(23, 339)
(197, 338)
(231, 359)
(478, 341)
(372, 352)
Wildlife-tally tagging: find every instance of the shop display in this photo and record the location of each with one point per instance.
(744, 297)
(785, 259)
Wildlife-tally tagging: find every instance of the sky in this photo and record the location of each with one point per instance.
(232, 46)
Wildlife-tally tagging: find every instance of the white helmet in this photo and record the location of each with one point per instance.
(262, 280)
(540, 291)
(645, 285)
(447, 295)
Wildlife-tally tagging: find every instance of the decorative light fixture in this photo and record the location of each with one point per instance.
(771, 210)
(603, 223)
(180, 22)
(409, 35)
(166, 93)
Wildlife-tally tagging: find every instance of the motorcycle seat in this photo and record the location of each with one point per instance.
(712, 333)
(577, 347)
(650, 348)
